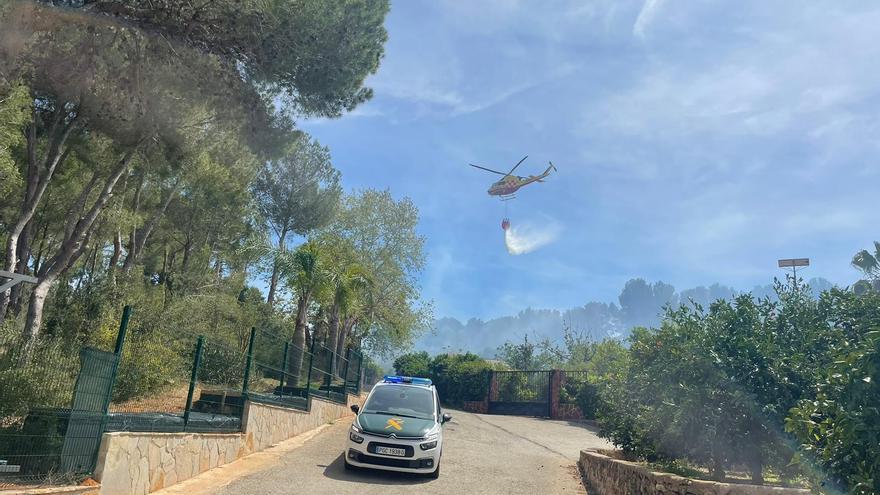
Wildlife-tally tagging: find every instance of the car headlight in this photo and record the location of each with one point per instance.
(353, 434)
(431, 443)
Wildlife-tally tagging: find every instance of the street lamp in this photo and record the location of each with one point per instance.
(794, 263)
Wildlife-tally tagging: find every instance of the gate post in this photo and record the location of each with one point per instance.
(555, 385)
(493, 391)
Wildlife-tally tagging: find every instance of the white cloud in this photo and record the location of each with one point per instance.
(646, 16)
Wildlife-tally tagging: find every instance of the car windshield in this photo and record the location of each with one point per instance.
(401, 401)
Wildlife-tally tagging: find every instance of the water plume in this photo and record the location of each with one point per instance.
(522, 239)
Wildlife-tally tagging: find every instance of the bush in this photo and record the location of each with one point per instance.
(587, 399)
(713, 387)
(458, 377)
(840, 429)
(413, 364)
(39, 375)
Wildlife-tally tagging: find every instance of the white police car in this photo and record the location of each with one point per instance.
(400, 428)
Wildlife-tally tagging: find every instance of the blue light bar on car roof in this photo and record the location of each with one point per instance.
(407, 379)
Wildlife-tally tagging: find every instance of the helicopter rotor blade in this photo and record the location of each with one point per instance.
(517, 164)
(487, 169)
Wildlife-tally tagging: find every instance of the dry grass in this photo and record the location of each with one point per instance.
(172, 400)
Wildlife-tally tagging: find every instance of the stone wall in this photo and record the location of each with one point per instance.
(606, 476)
(570, 412)
(476, 406)
(55, 490)
(266, 425)
(140, 463)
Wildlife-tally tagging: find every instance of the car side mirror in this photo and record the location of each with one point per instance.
(355, 408)
(447, 417)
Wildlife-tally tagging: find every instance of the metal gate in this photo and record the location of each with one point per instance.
(520, 393)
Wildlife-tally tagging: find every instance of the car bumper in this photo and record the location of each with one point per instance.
(420, 461)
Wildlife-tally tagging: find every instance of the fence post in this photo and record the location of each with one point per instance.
(309, 374)
(120, 342)
(345, 372)
(283, 368)
(555, 387)
(123, 329)
(247, 366)
(192, 380)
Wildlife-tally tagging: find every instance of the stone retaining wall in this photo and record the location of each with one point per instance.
(606, 476)
(266, 425)
(141, 463)
(476, 406)
(55, 490)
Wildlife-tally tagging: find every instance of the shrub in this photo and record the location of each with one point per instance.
(587, 398)
(458, 377)
(713, 387)
(413, 364)
(839, 429)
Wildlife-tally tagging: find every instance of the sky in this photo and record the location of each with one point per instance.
(696, 142)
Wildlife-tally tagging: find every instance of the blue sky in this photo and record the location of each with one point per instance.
(696, 142)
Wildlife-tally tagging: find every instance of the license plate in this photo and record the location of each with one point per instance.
(391, 451)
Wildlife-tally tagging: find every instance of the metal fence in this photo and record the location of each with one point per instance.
(525, 393)
(327, 373)
(203, 396)
(279, 367)
(34, 400)
(55, 397)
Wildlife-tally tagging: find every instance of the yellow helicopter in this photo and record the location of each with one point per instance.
(507, 186)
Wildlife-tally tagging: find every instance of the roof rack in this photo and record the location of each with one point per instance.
(407, 379)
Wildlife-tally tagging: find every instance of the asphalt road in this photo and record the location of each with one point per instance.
(481, 455)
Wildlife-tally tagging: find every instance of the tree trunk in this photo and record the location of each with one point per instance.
(717, 470)
(35, 308)
(273, 282)
(114, 258)
(139, 239)
(343, 336)
(333, 335)
(132, 236)
(24, 256)
(77, 233)
(38, 179)
(299, 340)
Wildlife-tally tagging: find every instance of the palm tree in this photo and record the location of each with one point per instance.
(348, 285)
(307, 278)
(869, 264)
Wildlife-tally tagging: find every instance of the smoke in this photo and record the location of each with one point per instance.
(521, 239)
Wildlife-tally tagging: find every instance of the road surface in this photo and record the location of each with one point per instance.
(482, 454)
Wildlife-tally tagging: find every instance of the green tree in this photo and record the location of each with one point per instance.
(715, 386)
(413, 364)
(382, 234)
(520, 356)
(115, 81)
(838, 428)
(307, 279)
(296, 194)
(869, 264)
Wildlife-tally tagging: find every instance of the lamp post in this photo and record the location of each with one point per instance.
(794, 263)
